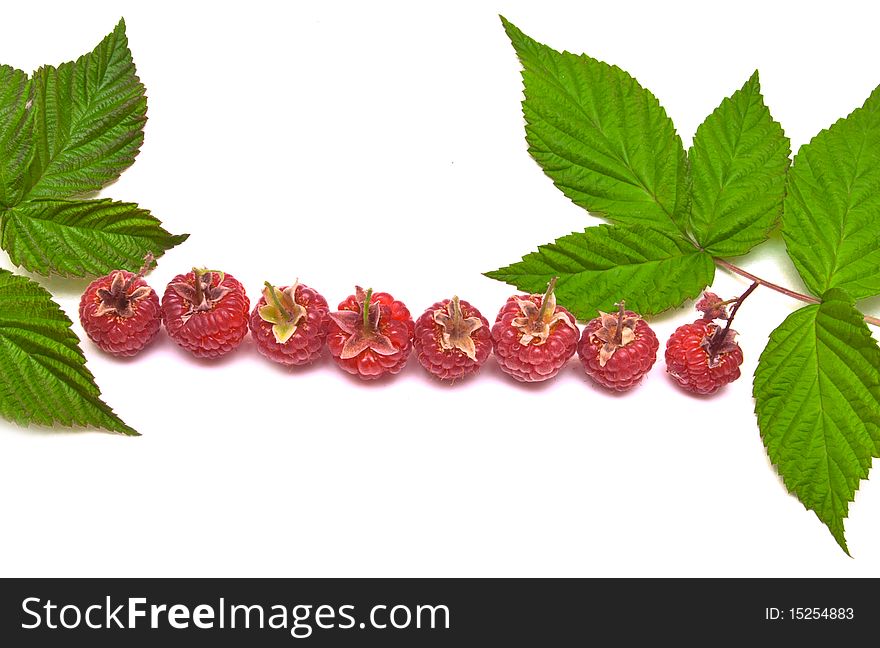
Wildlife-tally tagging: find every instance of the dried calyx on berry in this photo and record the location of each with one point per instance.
(452, 339)
(533, 337)
(120, 313)
(362, 327)
(121, 298)
(282, 311)
(456, 329)
(370, 336)
(206, 312)
(618, 349)
(615, 331)
(202, 293)
(537, 322)
(718, 342)
(713, 307)
(289, 323)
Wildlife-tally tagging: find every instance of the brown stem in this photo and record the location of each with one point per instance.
(200, 295)
(621, 313)
(809, 299)
(456, 309)
(149, 260)
(718, 340)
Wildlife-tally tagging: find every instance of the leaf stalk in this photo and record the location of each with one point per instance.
(809, 299)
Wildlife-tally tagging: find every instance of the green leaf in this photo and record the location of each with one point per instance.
(831, 222)
(817, 397)
(603, 139)
(82, 237)
(43, 376)
(738, 165)
(651, 270)
(89, 117)
(15, 151)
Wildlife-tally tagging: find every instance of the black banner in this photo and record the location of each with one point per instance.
(432, 612)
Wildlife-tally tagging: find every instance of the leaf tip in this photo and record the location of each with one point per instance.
(840, 539)
(177, 239)
(116, 424)
(513, 32)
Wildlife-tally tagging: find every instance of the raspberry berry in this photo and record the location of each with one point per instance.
(698, 362)
(120, 313)
(618, 349)
(371, 334)
(289, 323)
(702, 357)
(452, 339)
(533, 337)
(206, 312)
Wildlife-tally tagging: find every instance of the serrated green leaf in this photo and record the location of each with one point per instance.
(89, 117)
(82, 237)
(43, 376)
(602, 138)
(15, 151)
(738, 165)
(651, 270)
(817, 397)
(831, 222)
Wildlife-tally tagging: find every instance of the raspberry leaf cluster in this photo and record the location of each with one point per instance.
(66, 132)
(607, 144)
(672, 216)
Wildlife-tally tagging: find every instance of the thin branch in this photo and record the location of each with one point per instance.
(809, 299)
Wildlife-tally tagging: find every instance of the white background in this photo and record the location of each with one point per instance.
(382, 144)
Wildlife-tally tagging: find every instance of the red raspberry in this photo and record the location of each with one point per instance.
(206, 312)
(371, 334)
(699, 363)
(289, 324)
(120, 312)
(452, 339)
(618, 349)
(533, 337)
